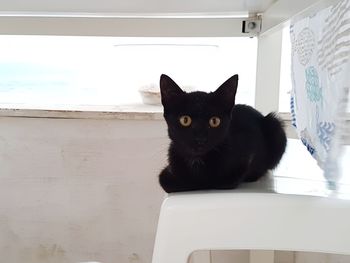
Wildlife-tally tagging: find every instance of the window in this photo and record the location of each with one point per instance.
(50, 71)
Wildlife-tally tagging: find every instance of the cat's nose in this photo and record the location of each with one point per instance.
(201, 141)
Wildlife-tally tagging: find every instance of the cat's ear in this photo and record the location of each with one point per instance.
(169, 90)
(226, 93)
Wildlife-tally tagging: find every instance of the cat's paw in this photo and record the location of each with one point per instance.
(172, 183)
(167, 180)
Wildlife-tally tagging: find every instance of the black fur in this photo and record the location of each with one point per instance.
(241, 149)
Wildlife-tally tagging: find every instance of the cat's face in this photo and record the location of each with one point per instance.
(197, 121)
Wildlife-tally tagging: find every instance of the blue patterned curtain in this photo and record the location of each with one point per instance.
(321, 83)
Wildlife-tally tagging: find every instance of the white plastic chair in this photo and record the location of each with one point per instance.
(254, 217)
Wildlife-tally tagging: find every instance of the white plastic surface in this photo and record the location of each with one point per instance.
(250, 219)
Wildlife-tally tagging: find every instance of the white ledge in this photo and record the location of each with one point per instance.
(121, 112)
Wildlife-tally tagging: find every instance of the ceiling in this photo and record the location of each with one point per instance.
(134, 7)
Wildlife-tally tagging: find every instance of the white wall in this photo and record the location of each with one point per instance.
(79, 190)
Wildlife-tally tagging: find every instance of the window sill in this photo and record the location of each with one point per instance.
(107, 112)
(120, 112)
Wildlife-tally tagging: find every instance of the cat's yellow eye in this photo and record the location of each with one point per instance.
(185, 120)
(214, 122)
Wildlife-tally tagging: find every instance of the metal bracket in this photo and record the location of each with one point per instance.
(251, 25)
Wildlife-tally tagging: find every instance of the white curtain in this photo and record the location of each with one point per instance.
(321, 83)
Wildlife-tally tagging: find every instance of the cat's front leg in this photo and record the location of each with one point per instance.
(167, 180)
(232, 177)
(172, 183)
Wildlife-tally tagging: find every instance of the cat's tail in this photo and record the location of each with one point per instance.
(276, 139)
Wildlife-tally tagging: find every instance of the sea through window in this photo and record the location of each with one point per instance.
(51, 71)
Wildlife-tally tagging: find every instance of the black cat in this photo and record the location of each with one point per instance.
(216, 144)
